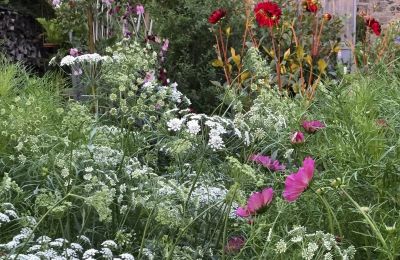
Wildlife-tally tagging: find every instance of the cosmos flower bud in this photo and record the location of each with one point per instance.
(327, 17)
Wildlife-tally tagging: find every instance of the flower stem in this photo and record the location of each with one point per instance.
(277, 60)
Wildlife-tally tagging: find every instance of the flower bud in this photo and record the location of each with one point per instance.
(327, 17)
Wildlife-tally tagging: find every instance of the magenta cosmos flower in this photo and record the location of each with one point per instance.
(298, 182)
(139, 9)
(74, 52)
(235, 244)
(297, 138)
(312, 126)
(256, 202)
(267, 162)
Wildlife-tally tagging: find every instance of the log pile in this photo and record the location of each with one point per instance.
(20, 37)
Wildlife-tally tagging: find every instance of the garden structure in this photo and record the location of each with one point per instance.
(200, 129)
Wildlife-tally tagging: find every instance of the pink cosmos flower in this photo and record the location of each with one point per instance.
(298, 182)
(267, 162)
(139, 9)
(149, 77)
(235, 244)
(107, 2)
(56, 3)
(297, 138)
(312, 126)
(256, 202)
(165, 45)
(74, 52)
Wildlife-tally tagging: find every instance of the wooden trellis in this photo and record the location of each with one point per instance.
(347, 9)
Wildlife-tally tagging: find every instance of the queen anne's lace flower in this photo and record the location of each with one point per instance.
(281, 247)
(174, 124)
(127, 257)
(67, 61)
(91, 58)
(216, 142)
(193, 127)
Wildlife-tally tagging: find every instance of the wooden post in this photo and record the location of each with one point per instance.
(90, 20)
(348, 10)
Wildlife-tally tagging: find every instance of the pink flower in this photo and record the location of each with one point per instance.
(149, 77)
(256, 202)
(235, 244)
(267, 162)
(298, 182)
(56, 3)
(297, 138)
(107, 2)
(139, 9)
(74, 52)
(165, 45)
(312, 126)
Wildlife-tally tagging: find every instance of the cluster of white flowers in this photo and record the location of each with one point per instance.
(317, 245)
(193, 127)
(281, 246)
(174, 124)
(309, 252)
(91, 58)
(85, 58)
(209, 195)
(46, 248)
(217, 128)
(67, 61)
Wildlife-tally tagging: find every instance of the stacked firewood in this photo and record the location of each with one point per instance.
(20, 37)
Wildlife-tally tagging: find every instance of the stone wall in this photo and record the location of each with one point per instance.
(385, 11)
(20, 37)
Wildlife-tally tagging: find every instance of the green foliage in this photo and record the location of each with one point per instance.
(53, 31)
(165, 183)
(190, 55)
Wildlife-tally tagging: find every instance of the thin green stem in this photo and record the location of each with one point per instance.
(370, 223)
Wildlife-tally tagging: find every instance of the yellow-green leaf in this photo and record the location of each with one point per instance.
(245, 75)
(228, 31)
(322, 66)
(300, 53)
(217, 63)
(235, 58)
(309, 59)
(287, 54)
(336, 48)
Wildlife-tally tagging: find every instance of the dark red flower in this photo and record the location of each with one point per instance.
(267, 14)
(311, 5)
(374, 25)
(235, 244)
(216, 16)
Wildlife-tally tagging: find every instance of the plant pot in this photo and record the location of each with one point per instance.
(50, 45)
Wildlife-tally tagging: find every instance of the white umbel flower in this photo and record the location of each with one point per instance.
(193, 127)
(174, 124)
(90, 58)
(216, 142)
(67, 60)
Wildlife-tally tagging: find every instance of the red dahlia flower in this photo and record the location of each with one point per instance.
(374, 25)
(216, 16)
(311, 6)
(267, 14)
